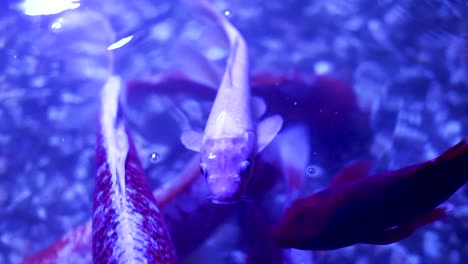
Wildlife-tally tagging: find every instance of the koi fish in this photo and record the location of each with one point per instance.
(337, 128)
(76, 246)
(187, 213)
(127, 224)
(381, 209)
(230, 140)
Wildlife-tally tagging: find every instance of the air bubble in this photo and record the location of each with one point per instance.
(154, 158)
(313, 171)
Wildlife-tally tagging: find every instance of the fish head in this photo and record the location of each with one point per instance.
(305, 223)
(227, 164)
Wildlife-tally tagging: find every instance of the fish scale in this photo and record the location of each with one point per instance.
(127, 225)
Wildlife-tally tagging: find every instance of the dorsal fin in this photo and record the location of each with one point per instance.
(354, 172)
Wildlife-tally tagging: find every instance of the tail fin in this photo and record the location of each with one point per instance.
(460, 149)
(238, 54)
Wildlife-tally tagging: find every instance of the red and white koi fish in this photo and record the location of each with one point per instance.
(191, 218)
(127, 225)
(231, 139)
(76, 246)
(381, 209)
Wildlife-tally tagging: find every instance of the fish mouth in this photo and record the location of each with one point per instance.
(225, 193)
(225, 201)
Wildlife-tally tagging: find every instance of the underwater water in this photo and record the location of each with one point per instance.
(395, 92)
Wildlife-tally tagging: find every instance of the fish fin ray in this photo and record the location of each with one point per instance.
(267, 129)
(192, 140)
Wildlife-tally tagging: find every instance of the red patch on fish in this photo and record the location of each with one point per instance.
(127, 225)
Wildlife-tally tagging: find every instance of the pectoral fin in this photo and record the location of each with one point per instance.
(405, 230)
(267, 129)
(258, 107)
(192, 140)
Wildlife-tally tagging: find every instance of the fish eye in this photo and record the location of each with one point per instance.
(245, 167)
(203, 169)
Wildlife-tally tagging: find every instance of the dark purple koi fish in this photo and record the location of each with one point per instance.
(127, 225)
(381, 209)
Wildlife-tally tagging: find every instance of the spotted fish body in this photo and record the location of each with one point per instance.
(127, 225)
(186, 213)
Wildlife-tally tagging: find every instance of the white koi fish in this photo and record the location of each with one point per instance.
(231, 138)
